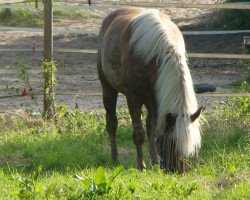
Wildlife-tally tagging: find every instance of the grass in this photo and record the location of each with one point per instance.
(41, 160)
(233, 19)
(241, 85)
(244, 84)
(34, 18)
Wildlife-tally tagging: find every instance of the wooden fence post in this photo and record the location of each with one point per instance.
(48, 110)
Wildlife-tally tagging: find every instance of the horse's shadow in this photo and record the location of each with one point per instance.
(67, 152)
(71, 152)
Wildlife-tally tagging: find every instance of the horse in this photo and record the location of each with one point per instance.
(141, 54)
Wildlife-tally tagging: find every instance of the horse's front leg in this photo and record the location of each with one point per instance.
(138, 133)
(152, 135)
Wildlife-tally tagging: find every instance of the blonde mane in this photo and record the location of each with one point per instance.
(154, 35)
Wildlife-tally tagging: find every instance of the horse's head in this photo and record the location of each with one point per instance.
(168, 152)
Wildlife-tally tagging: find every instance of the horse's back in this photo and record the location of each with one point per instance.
(119, 19)
(113, 27)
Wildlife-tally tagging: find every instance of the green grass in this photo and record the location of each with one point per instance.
(21, 18)
(61, 161)
(244, 84)
(33, 18)
(233, 19)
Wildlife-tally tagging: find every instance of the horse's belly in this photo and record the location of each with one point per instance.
(114, 77)
(129, 81)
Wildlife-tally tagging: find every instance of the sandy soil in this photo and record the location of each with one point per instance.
(77, 72)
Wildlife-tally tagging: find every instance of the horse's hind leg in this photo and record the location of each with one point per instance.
(109, 101)
(138, 132)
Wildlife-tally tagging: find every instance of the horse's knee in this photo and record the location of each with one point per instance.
(138, 137)
(111, 123)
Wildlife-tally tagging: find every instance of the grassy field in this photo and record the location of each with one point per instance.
(71, 160)
(34, 18)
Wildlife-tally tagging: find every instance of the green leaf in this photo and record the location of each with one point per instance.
(132, 187)
(117, 171)
(86, 184)
(190, 188)
(100, 176)
(25, 194)
(50, 189)
(14, 193)
(36, 175)
(155, 186)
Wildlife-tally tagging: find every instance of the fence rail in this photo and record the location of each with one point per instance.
(11, 1)
(94, 51)
(86, 93)
(96, 32)
(240, 6)
(182, 5)
(142, 4)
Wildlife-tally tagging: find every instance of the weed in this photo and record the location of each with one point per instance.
(28, 188)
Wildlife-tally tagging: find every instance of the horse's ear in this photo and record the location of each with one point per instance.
(170, 120)
(196, 115)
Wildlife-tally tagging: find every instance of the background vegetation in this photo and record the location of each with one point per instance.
(233, 19)
(226, 20)
(34, 18)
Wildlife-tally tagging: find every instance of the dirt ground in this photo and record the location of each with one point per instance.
(77, 74)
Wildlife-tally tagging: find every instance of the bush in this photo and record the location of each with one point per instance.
(234, 19)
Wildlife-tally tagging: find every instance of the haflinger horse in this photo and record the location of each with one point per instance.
(141, 54)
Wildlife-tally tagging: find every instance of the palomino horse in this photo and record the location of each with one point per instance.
(141, 53)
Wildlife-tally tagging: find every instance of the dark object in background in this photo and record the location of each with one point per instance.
(89, 2)
(246, 43)
(204, 87)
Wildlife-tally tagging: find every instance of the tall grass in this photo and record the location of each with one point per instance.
(41, 160)
(21, 17)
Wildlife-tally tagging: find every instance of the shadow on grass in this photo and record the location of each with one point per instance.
(65, 151)
(84, 144)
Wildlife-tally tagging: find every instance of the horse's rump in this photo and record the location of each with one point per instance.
(121, 68)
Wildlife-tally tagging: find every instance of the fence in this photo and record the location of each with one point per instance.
(110, 4)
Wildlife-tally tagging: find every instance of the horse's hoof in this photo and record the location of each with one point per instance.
(141, 167)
